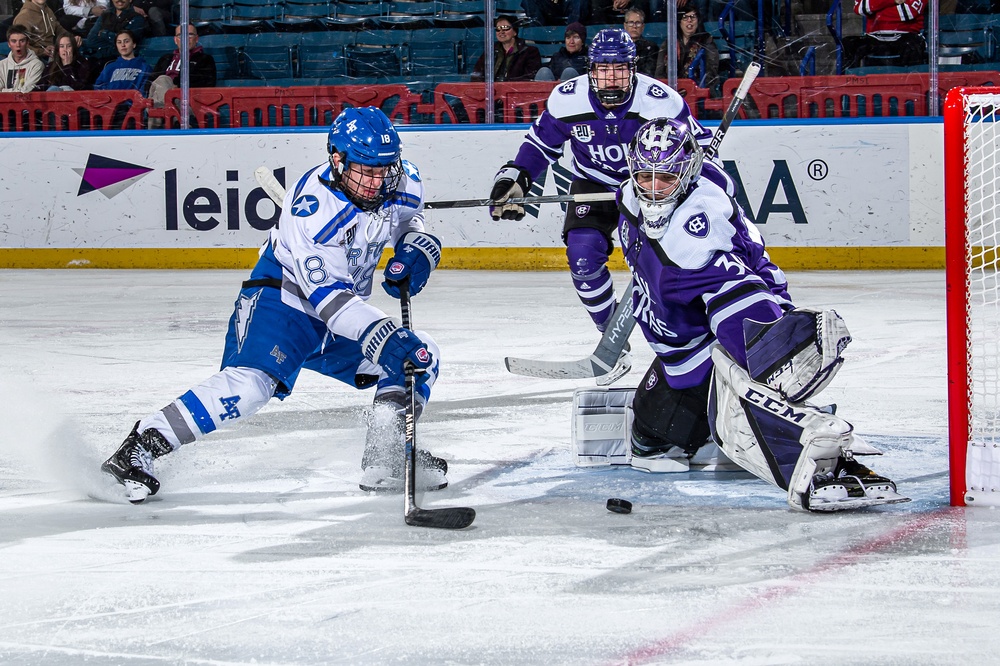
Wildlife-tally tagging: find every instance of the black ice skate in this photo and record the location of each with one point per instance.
(132, 463)
(850, 485)
(382, 461)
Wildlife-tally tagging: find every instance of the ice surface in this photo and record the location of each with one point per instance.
(260, 548)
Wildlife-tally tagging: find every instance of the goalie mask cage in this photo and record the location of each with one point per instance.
(972, 237)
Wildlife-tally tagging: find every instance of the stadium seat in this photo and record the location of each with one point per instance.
(409, 15)
(225, 50)
(304, 16)
(151, 48)
(269, 55)
(323, 55)
(435, 52)
(375, 61)
(356, 16)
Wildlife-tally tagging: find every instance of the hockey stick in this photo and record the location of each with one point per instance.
(609, 349)
(601, 362)
(451, 518)
(273, 188)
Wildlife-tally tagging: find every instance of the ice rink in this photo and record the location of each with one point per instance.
(261, 549)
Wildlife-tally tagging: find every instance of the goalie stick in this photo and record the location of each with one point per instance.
(451, 518)
(609, 349)
(271, 186)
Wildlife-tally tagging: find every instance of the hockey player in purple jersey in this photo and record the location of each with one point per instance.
(305, 306)
(597, 114)
(735, 359)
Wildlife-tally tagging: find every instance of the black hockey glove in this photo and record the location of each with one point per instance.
(390, 346)
(512, 182)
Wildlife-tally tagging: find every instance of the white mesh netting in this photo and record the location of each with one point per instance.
(982, 171)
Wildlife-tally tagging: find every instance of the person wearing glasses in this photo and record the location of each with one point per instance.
(691, 39)
(635, 23)
(513, 59)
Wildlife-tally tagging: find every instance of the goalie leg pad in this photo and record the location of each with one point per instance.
(797, 355)
(782, 443)
(601, 426)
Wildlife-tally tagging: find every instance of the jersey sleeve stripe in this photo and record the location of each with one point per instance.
(732, 291)
(406, 199)
(336, 224)
(738, 308)
(336, 304)
(318, 297)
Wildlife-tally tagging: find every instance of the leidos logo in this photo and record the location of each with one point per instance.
(203, 209)
(108, 176)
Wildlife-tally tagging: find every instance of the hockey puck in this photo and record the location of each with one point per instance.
(616, 505)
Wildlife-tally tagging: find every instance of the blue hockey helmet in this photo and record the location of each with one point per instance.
(664, 161)
(612, 46)
(366, 143)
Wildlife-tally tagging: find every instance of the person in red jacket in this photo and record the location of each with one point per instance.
(513, 59)
(892, 28)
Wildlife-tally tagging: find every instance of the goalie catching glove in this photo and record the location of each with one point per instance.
(798, 355)
(512, 182)
(416, 255)
(390, 346)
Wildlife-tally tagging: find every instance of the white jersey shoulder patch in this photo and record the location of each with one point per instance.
(570, 98)
(700, 227)
(656, 100)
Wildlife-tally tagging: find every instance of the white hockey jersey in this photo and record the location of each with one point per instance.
(328, 248)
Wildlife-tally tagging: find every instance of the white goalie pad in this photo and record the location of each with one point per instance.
(602, 426)
(799, 354)
(781, 442)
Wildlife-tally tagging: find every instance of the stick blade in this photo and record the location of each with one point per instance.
(452, 518)
(582, 369)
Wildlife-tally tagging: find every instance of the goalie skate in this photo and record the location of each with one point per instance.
(850, 486)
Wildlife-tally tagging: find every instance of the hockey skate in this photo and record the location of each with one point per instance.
(850, 485)
(622, 368)
(383, 459)
(658, 459)
(132, 463)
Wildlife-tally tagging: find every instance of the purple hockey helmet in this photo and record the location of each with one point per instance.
(612, 46)
(664, 160)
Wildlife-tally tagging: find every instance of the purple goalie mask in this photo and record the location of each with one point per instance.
(664, 160)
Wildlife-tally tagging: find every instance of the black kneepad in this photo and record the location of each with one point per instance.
(666, 417)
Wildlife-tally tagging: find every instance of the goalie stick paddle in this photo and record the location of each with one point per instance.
(601, 362)
(609, 349)
(451, 518)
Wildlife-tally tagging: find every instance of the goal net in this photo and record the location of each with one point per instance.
(972, 239)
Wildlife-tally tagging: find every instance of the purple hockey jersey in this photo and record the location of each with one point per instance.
(599, 137)
(697, 283)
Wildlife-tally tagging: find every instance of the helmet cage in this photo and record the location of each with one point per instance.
(365, 138)
(662, 147)
(612, 46)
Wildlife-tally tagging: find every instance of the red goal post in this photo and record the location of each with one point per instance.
(972, 239)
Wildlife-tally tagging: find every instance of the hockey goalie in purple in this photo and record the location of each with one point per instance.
(598, 115)
(736, 361)
(305, 306)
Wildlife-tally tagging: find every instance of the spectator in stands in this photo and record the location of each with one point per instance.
(691, 39)
(635, 23)
(571, 58)
(552, 12)
(167, 71)
(157, 13)
(129, 71)
(79, 16)
(100, 43)
(42, 26)
(613, 11)
(21, 70)
(513, 60)
(67, 70)
(892, 34)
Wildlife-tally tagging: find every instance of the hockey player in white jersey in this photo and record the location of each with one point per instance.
(597, 114)
(736, 361)
(305, 306)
